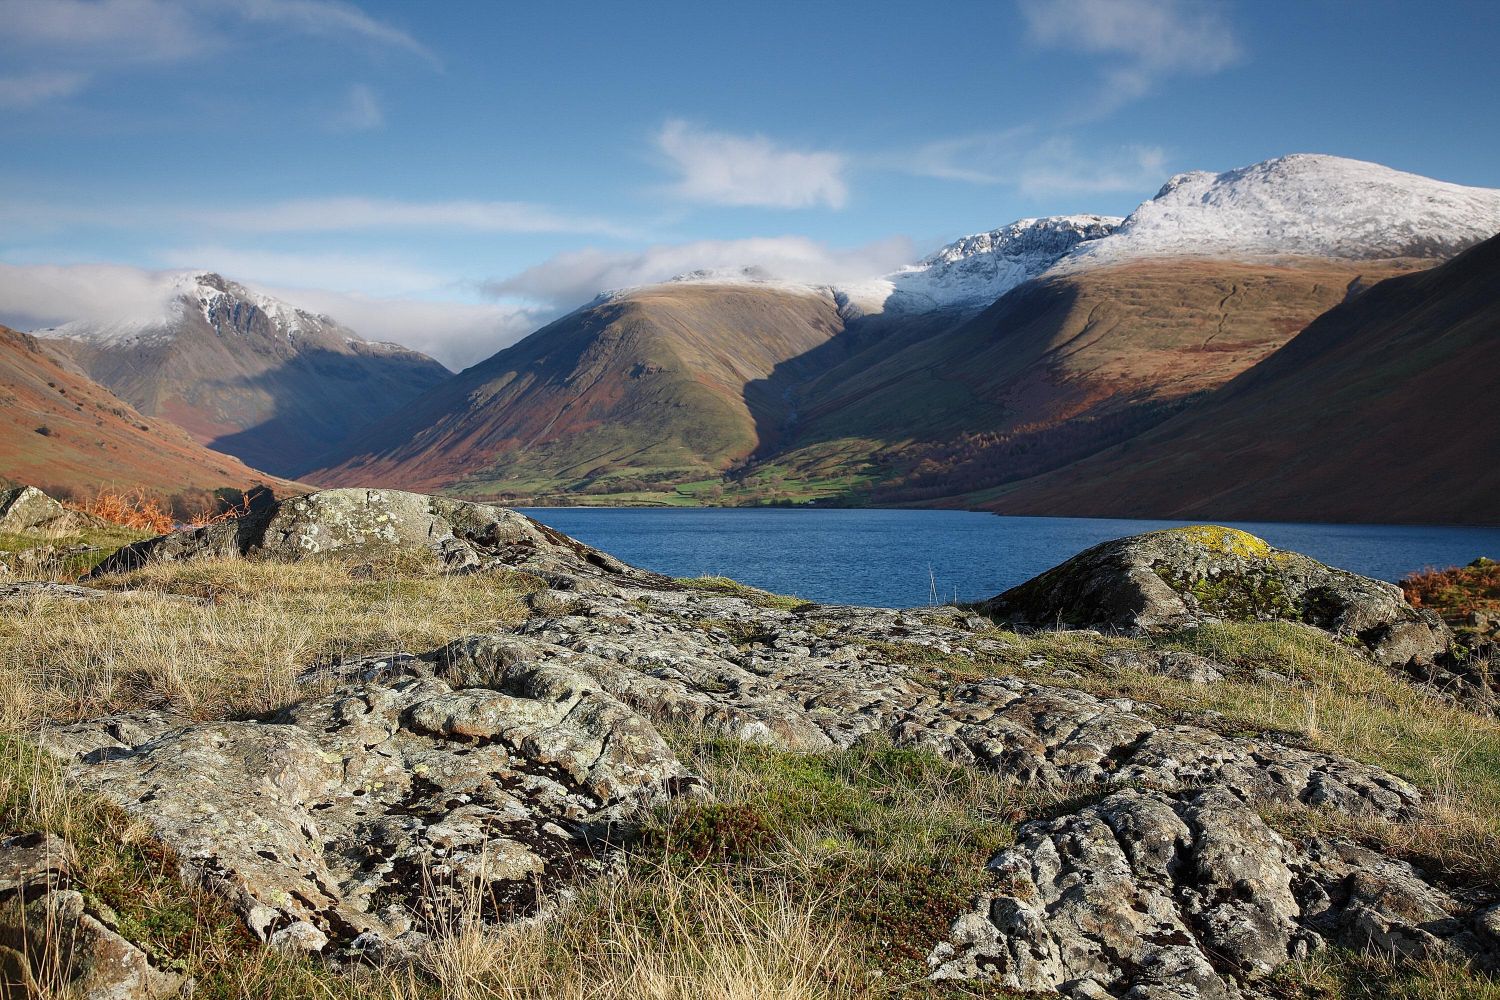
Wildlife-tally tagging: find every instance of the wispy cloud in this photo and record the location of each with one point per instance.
(310, 215)
(360, 112)
(720, 168)
(354, 214)
(32, 89)
(330, 19)
(368, 272)
(77, 40)
(573, 278)
(1036, 165)
(1149, 41)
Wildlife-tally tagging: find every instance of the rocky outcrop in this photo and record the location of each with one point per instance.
(465, 536)
(388, 810)
(26, 509)
(56, 941)
(1191, 895)
(1184, 576)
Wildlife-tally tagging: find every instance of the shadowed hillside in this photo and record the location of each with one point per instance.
(1382, 410)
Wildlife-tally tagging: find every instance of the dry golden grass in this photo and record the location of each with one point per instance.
(228, 637)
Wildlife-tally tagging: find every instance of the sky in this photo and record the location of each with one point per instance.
(451, 175)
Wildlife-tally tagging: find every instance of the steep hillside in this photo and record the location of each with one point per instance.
(1382, 410)
(1059, 368)
(247, 374)
(672, 381)
(60, 430)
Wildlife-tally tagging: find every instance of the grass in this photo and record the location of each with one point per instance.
(52, 559)
(228, 637)
(726, 587)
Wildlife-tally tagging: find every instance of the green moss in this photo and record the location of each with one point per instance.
(1252, 594)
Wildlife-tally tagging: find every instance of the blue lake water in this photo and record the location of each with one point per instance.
(905, 558)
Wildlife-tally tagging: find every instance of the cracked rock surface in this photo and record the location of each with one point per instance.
(380, 810)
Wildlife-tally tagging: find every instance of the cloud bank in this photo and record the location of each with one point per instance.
(573, 278)
(456, 333)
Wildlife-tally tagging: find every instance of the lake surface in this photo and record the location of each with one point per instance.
(905, 558)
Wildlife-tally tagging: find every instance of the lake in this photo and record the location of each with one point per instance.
(905, 558)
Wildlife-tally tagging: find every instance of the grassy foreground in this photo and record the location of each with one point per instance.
(810, 875)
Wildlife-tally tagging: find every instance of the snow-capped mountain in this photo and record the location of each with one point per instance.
(244, 372)
(1304, 204)
(974, 271)
(226, 306)
(966, 275)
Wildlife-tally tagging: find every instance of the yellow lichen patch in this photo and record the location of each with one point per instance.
(1230, 541)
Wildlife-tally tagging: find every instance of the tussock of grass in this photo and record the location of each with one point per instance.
(733, 588)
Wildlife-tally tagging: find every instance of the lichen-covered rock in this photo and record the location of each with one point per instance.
(465, 536)
(53, 940)
(1190, 895)
(1184, 576)
(382, 810)
(26, 509)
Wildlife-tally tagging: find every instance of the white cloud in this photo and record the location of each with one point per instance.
(309, 215)
(456, 333)
(31, 89)
(573, 278)
(1150, 40)
(361, 111)
(112, 30)
(353, 214)
(719, 168)
(38, 295)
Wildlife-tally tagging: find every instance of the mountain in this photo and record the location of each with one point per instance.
(1381, 410)
(1304, 204)
(675, 381)
(62, 431)
(1002, 356)
(247, 374)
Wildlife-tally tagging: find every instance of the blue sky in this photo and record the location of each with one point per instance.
(451, 174)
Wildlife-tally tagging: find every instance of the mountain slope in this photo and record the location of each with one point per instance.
(1061, 367)
(58, 429)
(678, 381)
(247, 374)
(1381, 410)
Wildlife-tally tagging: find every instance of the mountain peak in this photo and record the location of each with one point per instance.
(1310, 204)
